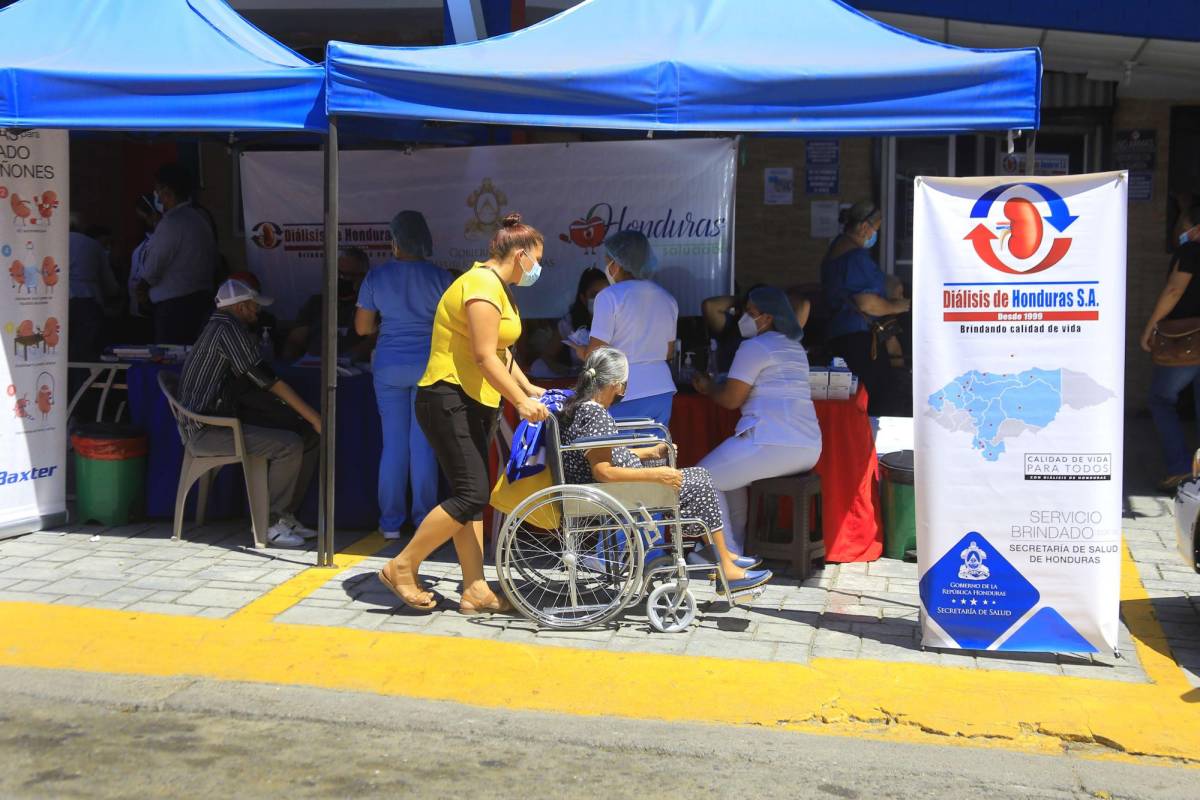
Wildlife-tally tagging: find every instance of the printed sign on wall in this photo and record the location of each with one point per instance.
(33, 313)
(1019, 325)
(677, 192)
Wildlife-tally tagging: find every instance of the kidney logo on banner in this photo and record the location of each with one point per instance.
(678, 192)
(33, 312)
(1019, 324)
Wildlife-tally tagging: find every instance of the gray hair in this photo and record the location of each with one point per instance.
(603, 368)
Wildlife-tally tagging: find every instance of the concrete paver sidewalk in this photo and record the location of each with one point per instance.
(864, 611)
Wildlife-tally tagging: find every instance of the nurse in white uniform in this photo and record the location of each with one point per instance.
(639, 318)
(778, 433)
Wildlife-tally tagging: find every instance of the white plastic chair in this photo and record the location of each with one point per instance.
(204, 468)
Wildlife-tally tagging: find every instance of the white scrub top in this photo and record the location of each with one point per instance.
(639, 318)
(779, 410)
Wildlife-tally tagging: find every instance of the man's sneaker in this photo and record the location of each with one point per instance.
(281, 535)
(297, 528)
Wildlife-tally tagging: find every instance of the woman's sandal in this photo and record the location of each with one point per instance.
(499, 605)
(408, 601)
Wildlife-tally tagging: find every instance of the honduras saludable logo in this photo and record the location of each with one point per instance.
(1021, 228)
(589, 231)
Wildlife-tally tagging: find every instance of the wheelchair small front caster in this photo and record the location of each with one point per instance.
(668, 611)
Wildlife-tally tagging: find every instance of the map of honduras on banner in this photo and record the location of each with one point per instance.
(678, 192)
(1019, 324)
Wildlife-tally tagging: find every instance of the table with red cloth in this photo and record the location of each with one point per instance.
(848, 466)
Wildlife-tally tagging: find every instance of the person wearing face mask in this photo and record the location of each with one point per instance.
(639, 318)
(470, 370)
(179, 262)
(305, 338)
(778, 432)
(579, 315)
(721, 315)
(856, 292)
(397, 301)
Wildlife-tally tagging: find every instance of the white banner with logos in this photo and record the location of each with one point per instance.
(34, 246)
(678, 192)
(1019, 336)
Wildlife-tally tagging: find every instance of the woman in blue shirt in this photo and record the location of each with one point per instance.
(404, 292)
(856, 293)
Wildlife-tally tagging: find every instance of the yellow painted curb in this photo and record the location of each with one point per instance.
(908, 701)
(895, 701)
(1148, 637)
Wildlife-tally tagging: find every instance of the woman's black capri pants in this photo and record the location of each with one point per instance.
(459, 430)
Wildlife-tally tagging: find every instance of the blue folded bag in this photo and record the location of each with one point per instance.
(528, 456)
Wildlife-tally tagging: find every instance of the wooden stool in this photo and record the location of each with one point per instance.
(801, 543)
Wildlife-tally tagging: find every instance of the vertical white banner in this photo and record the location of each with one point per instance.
(678, 192)
(1019, 326)
(33, 313)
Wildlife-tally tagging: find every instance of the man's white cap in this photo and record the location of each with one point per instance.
(233, 292)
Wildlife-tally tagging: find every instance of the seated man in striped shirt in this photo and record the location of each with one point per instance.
(222, 369)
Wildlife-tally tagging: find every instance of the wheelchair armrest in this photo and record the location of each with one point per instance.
(596, 442)
(644, 425)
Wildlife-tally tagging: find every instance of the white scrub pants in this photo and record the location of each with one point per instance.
(738, 462)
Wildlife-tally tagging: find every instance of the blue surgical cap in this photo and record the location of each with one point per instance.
(411, 234)
(631, 250)
(774, 301)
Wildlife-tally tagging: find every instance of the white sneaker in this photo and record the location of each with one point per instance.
(391, 534)
(297, 528)
(281, 535)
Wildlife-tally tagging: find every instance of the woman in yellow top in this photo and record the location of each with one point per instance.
(470, 369)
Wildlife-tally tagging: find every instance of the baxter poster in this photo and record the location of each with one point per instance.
(1019, 326)
(33, 313)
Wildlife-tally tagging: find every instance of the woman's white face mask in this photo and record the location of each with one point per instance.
(608, 265)
(747, 326)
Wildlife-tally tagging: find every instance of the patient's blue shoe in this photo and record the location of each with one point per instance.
(702, 556)
(753, 580)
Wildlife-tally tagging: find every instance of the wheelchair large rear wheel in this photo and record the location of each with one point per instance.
(578, 573)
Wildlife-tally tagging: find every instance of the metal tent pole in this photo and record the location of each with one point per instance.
(329, 304)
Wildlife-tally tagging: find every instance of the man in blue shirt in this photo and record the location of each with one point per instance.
(179, 261)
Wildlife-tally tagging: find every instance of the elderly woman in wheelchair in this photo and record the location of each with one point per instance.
(614, 526)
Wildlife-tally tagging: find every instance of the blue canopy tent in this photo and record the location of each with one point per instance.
(778, 66)
(158, 65)
(772, 66)
(166, 65)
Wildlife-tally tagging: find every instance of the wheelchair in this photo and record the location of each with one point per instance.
(574, 556)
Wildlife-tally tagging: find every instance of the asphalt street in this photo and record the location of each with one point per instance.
(83, 735)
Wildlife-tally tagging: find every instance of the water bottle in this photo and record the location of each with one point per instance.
(266, 347)
(713, 371)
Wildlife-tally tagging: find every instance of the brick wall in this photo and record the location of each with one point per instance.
(773, 243)
(1147, 260)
